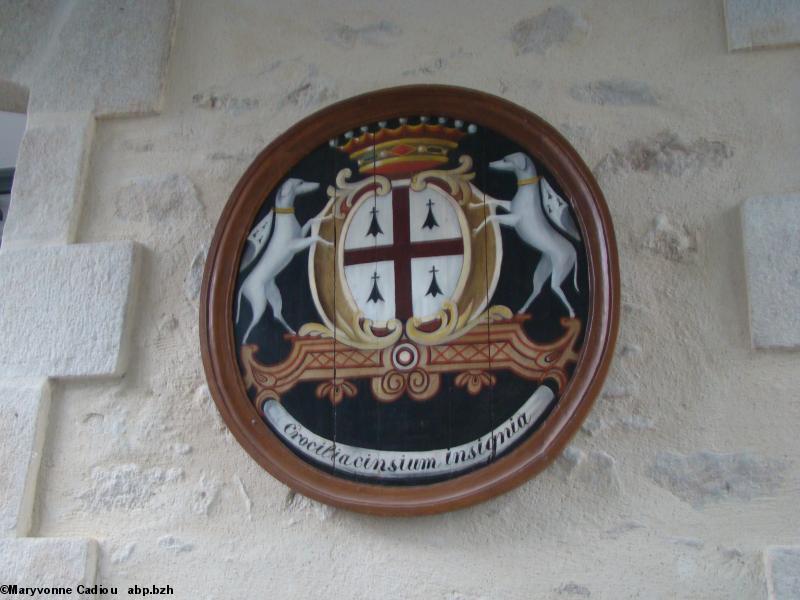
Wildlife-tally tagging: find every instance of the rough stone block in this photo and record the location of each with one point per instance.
(48, 563)
(772, 264)
(556, 25)
(25, 29)
(782, 569)
(48, 184)
(380, 33)
(24, 407)
(108, 57)
(665, 153)
(66, 309)
(707, 476)
(762, 23)
(615, 92)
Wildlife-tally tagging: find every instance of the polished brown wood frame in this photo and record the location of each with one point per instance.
(219, 280)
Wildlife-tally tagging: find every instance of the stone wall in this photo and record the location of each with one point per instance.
(684, 481)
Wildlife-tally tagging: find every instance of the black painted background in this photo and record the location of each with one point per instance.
(453, 417)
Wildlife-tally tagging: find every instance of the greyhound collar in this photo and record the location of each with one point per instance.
(284, 211)
(522, 182)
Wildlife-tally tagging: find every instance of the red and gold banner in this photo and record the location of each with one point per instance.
(413, 369)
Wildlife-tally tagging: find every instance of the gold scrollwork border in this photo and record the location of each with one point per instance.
(341, 317)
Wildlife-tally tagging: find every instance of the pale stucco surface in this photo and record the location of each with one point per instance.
(688, 467)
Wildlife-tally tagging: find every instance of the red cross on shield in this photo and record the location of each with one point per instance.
(403, 253)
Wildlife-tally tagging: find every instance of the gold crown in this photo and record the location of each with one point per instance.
(405, 149)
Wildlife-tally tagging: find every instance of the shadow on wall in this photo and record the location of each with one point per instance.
(13, 104)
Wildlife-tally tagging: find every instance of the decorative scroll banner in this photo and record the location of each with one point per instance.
(472, 357)
(387, 464)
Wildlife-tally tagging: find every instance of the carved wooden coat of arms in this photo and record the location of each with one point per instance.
(411, 300)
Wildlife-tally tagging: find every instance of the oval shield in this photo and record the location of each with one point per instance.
(414, 307)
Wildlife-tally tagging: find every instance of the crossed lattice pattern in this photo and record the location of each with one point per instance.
(460, 353)
(357, 358)
(500, 351)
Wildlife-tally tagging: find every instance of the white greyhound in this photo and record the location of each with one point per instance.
(287, 239)
(535, 227)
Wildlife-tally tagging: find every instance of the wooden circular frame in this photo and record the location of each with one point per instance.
(219, 280)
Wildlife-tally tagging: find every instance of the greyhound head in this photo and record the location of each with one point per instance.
(292, 188)
(518, 162)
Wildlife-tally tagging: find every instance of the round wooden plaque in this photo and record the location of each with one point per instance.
(411, 301)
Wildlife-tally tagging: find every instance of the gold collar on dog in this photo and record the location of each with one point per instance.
(522, 182)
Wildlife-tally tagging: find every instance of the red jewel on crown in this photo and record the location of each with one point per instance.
(403, 150)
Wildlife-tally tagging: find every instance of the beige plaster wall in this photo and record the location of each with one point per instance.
(689, 465)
